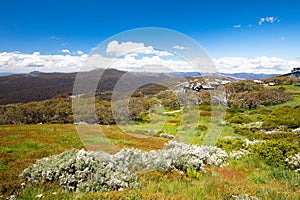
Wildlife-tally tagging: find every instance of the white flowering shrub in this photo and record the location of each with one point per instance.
(98, 171)
(293, 162)
(166, 135)
(253, 142)
(80, 170)
(244, 197)
(239, 154)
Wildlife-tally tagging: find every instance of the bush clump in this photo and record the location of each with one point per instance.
(284, 116)
(81, 170)
(283, 80)
(240, 119)
(248, 95)
(293, 162)
(230, 145)
(275, 152)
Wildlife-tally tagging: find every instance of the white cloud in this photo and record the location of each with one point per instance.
(179, 47)
(153, 64)
(268, 20)
(19, 62)
(80, 52)
(132, 48)
(263, 64)
(65, 51)
(237, 26)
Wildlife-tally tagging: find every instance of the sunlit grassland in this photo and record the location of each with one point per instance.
(22, 145)
(189, 127)
(248, 176)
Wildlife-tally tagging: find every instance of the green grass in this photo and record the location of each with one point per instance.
(228, 133)
(250, 175)
(21, 145)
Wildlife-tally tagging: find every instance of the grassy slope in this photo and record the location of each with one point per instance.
(22, 145)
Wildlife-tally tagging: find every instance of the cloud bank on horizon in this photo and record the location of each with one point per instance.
(130, 60)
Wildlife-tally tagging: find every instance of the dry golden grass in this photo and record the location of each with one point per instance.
(22, 145)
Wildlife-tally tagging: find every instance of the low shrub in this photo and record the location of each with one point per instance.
(244, 197)
(166, 135)
(230, 145)
(205, 107)
(283, 80)
(293, 162)
(81, 170)
(285, 116)
(240, 119)
(192, 173)
(202, 127)
(259, 134)
(97, 171)
(239, 154)
(249, 95)
(275, 152)
(260, 111)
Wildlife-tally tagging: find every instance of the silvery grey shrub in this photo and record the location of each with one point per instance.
(244, 197)
(238, 154)
(293, 162)
(81, 170)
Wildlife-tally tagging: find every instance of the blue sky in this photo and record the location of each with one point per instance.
(232, 28)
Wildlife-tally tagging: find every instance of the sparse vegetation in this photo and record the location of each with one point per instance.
(283, 80)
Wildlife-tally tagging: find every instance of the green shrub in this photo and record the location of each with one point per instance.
(275, 152)
(247, 95)
(202, 127)
(205, 107)
(261, 111)
(283, 80)
(240, 119)
(230, 145)
(285, 116)
(192, 173)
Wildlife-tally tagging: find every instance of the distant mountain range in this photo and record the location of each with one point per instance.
(6, 73)
(37, 86)
(250, 76)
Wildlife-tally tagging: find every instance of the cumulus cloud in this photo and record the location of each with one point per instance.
(263, 64)
(179, 47)
(132, 48)
(19, 62)
(80, 52)
(268, 20)
(65, 51)
(237, 26)
(153, 64)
